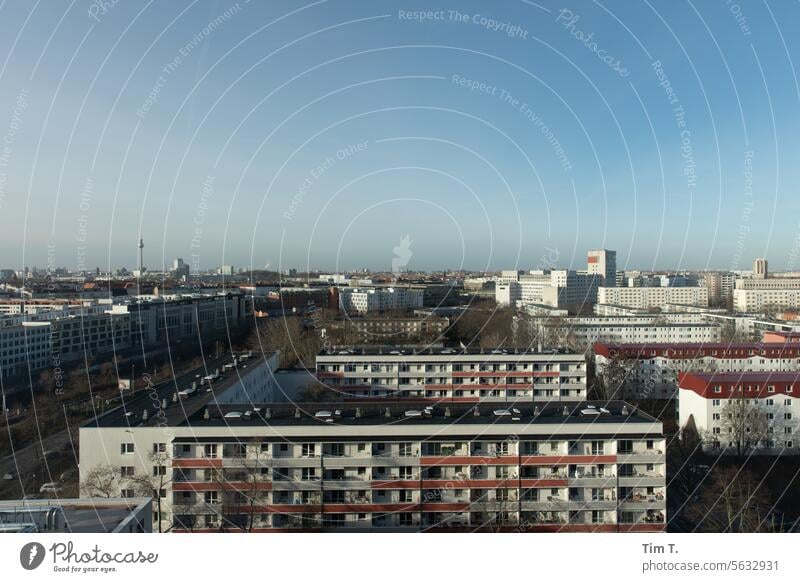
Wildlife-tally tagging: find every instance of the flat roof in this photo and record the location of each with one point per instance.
(438, 351)
(81, 515)
(373, 414)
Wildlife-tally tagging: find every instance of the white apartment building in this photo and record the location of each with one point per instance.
(756, 300)
(345, 467)
(644, 332)
(361, 301)
(651, 370)
(773, 283)
(652, 297)
(704, 403)
(555, 288)
(469, 374)
(720, 285)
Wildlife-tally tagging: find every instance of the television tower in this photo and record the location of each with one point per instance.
(141, 255)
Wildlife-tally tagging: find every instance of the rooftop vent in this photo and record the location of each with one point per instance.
(413, 413)
(565, 412)
(501, 412)
(323, 414)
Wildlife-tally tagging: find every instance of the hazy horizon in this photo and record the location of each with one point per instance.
(321, 134)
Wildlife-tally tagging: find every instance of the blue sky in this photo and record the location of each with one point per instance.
(317, 134)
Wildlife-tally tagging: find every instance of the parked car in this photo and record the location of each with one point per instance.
(51, 487)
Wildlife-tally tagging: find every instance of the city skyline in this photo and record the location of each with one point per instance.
(320, 135)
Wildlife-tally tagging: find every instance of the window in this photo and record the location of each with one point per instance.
(309, 474)
(126, 471)
(211, 497)
(787, 416)
(406, 450)
(159, 470)
(210, 451)
(308, 449)
(126, 448)
(159, 448)
(127, 493)
(715, 402)
(787, 402)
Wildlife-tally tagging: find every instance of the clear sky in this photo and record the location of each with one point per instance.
(318, 134)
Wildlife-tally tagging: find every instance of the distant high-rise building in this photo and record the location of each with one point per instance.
(760, 270)
(603, 263)
(180, 268)
(227, 270)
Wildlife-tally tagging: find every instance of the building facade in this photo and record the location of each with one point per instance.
(757, 300)
(652, 370)
(603, 263)
(652, 297)
(768, 399)
(454, 374)
(377, 300)
(549, 468)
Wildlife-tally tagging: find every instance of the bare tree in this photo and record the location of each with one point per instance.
(745, 423)
(101, 481)
(154, 483)
(614, 378)
(734, 500)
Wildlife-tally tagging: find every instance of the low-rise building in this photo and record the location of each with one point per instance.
(648, 370)
(741, 412)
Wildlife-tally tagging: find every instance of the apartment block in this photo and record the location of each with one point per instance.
(468, 374)
(652, 297)
(24, 347)
(770, 399)
(333, 467)
(377, 300)
(756, 300)
(652, 370)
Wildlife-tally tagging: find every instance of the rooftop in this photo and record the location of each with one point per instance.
(435, 351)
(76, 515)
(351, 414)
(740, 377)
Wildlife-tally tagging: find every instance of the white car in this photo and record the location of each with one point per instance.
(50, 488)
